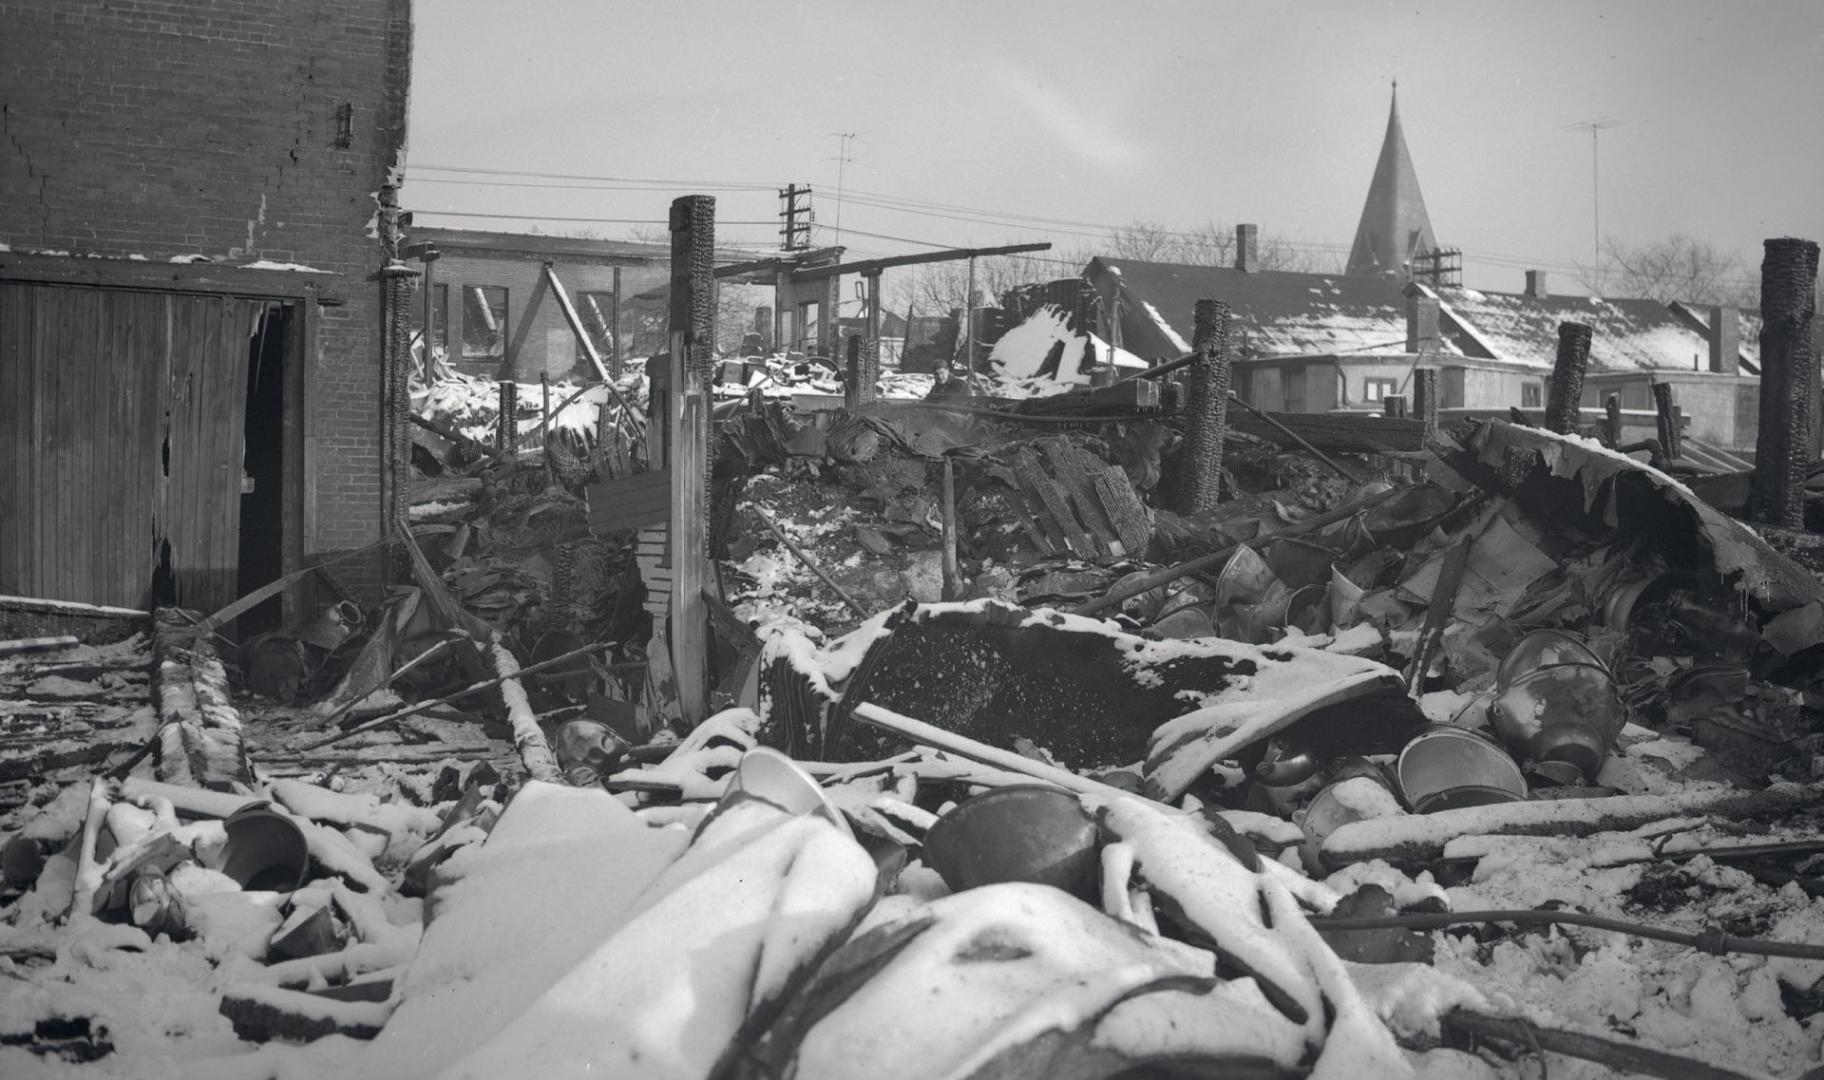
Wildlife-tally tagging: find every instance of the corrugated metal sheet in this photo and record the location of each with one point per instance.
(123, 422)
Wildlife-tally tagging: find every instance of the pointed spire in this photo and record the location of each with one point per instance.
(1394, 225)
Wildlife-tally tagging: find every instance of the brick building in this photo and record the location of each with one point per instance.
(192, 390)
(494, 311)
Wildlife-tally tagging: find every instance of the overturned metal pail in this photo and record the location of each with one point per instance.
(1022, 833)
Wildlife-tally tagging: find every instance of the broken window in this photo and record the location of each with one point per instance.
(596, 309)
(440, 317)
(1532, 394)
(484, 322)
(1379, 388)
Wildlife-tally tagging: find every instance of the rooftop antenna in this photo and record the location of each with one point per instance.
(846, 138)
(1595, 127)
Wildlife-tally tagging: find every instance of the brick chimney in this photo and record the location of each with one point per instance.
(1247, 248)
(1421, 323)
(1725, 340)
(1535, 285)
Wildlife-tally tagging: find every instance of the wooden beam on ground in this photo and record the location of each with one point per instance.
(811, 564)
(1303, 443)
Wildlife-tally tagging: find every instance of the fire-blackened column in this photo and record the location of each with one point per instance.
(1562, 408)
(1206, 410)
(692, 337)
(1789, 380)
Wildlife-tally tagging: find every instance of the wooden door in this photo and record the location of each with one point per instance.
(121, 423)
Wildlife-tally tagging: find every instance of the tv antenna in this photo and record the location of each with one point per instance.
(846, 141)
(1595, 127)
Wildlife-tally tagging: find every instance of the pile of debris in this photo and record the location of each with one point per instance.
(1377, 775)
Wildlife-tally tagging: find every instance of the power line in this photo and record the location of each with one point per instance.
(590, 220)
(566, 187)
(725, 184)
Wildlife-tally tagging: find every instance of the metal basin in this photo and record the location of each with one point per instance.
(767, 774)
(1447, 767)
(1022, 833)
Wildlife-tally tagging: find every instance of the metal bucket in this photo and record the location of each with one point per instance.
(1021, 833)
(1565, 712)
(1245, 579)
(1446, 768)
(265, 850)
(1555, 700)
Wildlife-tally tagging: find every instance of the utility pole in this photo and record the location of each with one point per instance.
(1595, 127)
(795, 235)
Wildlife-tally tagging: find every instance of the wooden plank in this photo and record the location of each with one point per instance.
(51, 482)
(1347, 433)
(167, 277)
(1083, 500)
(1124, 509)
(12, 465)
(1051, 496)
(690, 552)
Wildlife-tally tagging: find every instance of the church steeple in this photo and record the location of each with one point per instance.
(1394, 224)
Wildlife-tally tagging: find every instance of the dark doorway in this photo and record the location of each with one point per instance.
(262, 468)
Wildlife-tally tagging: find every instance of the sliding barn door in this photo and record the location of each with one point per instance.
(121, 424)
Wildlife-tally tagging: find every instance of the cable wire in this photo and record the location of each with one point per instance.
(1710, 939)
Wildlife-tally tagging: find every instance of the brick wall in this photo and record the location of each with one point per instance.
(160, 128)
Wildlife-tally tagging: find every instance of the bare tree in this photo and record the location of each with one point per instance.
(1679, 267)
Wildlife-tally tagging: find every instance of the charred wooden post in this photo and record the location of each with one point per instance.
(1669, 421)
(614, 339)
(693, 328)
(853, 374)
(1393, 406)
(1612, 425)
(1206, 410)
(953, 578)
(1561, 409)
(870, 351)
(1789, 380)
(1425, 399)
(506, 435)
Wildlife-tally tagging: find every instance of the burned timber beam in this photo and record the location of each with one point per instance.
(1561, 409)
(1199, 480)
(1789, 380)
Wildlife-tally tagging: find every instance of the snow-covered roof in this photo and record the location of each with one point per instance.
(1626, 333)
(1280, 313)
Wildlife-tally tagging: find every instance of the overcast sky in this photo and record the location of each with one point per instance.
(1097, 113)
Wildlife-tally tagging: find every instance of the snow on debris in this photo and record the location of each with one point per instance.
(1046, 354)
